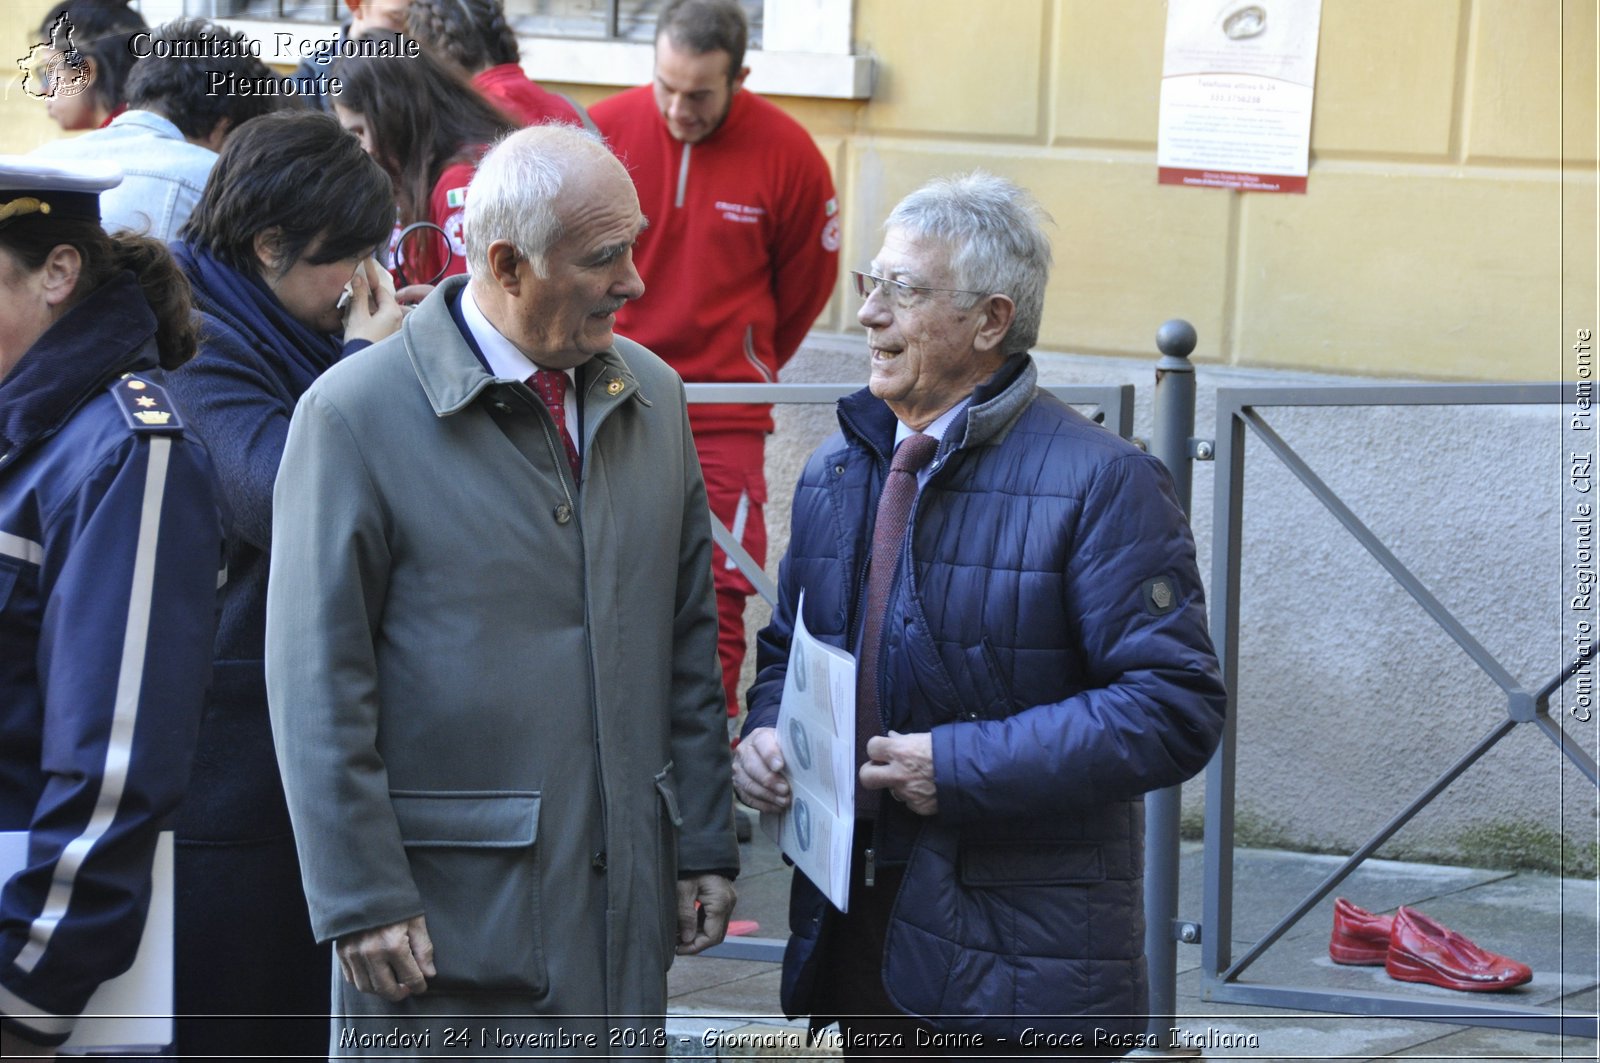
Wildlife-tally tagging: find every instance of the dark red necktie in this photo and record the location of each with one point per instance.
(551, 386)
(888, 536)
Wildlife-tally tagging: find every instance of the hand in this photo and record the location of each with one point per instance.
(703, 925)
(758, 771)
(14, 1047)
(391, 961)
(412, 294)
(373, 313)
(903, 765)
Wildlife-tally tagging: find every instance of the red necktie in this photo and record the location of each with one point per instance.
(551, 386)
(888, 536)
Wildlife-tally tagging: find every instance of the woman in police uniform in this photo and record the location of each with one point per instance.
(110, 544)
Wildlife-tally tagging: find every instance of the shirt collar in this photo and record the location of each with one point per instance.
(155, 123)
(505, 360)
(937, 429)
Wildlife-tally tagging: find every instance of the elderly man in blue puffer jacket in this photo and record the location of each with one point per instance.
(1033, 658)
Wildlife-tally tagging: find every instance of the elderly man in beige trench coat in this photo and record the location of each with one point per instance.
(491, 657)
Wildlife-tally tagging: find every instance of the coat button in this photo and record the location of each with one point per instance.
(503, 407)
(598, 861)
(563, 513)
(838, 470)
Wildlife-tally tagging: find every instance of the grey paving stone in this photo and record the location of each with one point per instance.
(1478, 1043)
(691, 974)
(1531, 917)
(1269, 884)
(752, 997)
(764, 897)
(1290, 1035)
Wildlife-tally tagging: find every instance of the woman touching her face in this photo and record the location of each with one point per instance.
(288, 222)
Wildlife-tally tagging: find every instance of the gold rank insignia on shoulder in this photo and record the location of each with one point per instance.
(614, 386)
(145, 406)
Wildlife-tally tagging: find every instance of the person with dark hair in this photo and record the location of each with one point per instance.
(740, 257)
(291, 215)
(427, 128)
(167, 140)
(367, 18)
(88, 41)
(474, 37)
(110, 551)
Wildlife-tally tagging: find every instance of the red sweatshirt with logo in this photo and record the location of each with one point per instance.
(742, 249)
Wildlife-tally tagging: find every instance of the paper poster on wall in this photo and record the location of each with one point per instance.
(1236, 89)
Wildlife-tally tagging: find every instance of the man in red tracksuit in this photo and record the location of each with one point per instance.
(740, 256)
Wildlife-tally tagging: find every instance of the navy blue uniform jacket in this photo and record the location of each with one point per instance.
(110, 550)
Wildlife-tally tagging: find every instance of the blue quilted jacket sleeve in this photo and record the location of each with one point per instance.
(1151, 709)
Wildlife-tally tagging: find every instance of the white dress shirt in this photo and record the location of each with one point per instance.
(509, 363)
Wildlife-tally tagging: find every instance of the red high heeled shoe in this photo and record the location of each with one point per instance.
(1424, 950)
(1359, 937)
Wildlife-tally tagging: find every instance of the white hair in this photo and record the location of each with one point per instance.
(513, 193)
(995, 232)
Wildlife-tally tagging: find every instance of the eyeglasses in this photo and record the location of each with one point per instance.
(900, 296)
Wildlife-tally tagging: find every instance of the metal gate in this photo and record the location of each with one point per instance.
(1241, 410)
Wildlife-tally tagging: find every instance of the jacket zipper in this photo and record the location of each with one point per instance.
(683, 175)
(754, 359)
(861, 591)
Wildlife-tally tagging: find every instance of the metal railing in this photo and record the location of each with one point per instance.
(1240, 410)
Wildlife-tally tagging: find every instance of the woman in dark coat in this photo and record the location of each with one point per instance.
(290, 218)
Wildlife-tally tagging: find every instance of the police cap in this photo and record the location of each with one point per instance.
(29, 186)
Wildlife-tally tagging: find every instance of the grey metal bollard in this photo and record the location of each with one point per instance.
(1170, 441)
(1174, 405)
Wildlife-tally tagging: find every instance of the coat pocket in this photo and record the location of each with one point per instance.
(475, 860)
(1031, 864)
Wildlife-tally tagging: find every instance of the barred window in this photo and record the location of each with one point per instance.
(620, 20)
(797, 47)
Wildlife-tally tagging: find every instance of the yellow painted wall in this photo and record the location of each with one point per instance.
(1453, 146)
(1449, 228)
(22, 118)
